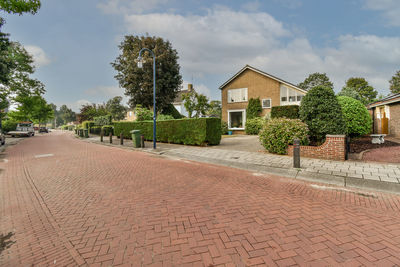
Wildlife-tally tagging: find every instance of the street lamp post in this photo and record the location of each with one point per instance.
(140, 65)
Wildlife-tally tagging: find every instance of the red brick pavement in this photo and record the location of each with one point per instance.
(103, 206)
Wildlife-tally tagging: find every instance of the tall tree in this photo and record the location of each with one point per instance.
(66, 114)
(196, 104)
(214, 109)
(89, 111)
(138, 82)
(316, 79)
(33, 108)
(395, 83)
(20, 6)
(115, 108)
(361, 86)
(350, 92)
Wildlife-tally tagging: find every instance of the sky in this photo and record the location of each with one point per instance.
(73, 42)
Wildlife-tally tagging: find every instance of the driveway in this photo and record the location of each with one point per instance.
(385, 154)
(68, 202)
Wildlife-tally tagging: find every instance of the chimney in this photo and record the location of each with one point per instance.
(190, 87)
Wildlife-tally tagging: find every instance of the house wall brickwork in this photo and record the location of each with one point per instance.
(257, 86)
(394, 122)
(334, 148)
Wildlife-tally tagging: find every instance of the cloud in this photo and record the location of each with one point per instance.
(76, 106)
(222, 41)
(389, 8)
(129, 6)
(39, 56)
(105, 91)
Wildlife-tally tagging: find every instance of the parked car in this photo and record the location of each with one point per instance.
(43, 129)
(23, 129)
(2, 138)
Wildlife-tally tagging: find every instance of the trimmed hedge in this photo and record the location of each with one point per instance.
(95, 130)
(198, 131)
(102, 120)
(107, 129)
(356, 116)
(289, 112)
(87, 124)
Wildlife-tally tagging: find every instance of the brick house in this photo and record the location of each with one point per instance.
(386, 115)
(248, 83)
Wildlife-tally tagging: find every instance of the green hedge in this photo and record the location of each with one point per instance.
(289, 112)
(107, 129)
(9, 125)
(95, 130)
(197, 131)
(87, 124)
(254, 125)
(102, 120)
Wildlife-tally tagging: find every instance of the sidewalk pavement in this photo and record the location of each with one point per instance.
(375, 176)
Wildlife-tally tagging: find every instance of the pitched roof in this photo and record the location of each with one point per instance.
(393, 98)
(248, 67)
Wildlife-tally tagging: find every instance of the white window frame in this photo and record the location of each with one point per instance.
(243, 118)
(270, 102)
(287, 102)
(236, 89)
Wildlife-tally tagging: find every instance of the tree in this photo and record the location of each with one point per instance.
(350, 92)
(138, 83)
(66, 115)
(195, 103)
(33, 108)
(42, 112)
(322, 113)
(395, 83)
(20, 6)
(214, 109)
(115, 108)
(254, 108)
(89, 111)
(361, 86)
(6, 64)
(356, 116)
(316, 79)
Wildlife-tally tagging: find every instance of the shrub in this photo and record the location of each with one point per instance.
(71, 127)
(143, 114)
(107, 129)
(171, 110)
(321, 111)
(197, 131)
(163, 117)
(224, 127)
(9, 125)
(102, 120)
(289, 112)
(278, 133)
(254, 108)
(356, 116)
(254, 126)
(87, 124)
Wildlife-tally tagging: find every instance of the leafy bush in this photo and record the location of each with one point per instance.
(321, 111)
(64, 127)
(254, 108)
(171, 110)
(197, 131)
(9, 125)
(103, 120)
(224, 127)
(356, 116)
(254, 126)
(289, 112)
(87, 124)
(163, 117)
(278, 133)
(143, 114)
(107, 129)
(71, 127)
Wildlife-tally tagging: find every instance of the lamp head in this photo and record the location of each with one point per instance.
(140, 62)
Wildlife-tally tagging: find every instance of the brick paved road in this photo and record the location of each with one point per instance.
(68, 202)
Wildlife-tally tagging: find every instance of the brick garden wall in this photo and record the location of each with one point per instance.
(334, 148)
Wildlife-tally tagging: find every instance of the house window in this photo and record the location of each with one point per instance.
(290, 96)
(236, 119)
(237, 95)
(266, 103)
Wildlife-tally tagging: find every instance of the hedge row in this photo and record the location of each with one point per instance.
(198, 131)
(97, 130)
(289, 112)
(87, 124)
(102, 120)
